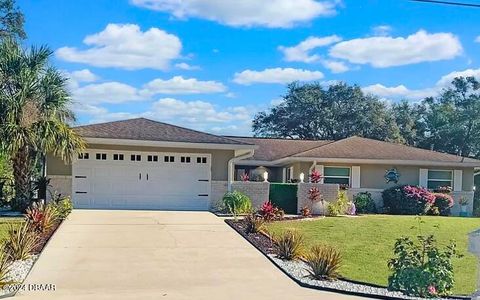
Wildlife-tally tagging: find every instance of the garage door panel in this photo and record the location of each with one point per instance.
(143, 184)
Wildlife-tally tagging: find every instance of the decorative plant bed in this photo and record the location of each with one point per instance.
(296, 270)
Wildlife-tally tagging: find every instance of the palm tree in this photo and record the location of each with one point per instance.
(34, 114)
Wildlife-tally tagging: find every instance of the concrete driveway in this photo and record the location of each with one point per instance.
(102, 254)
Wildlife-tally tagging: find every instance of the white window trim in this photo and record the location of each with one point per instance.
(439, 170)
(341, 167)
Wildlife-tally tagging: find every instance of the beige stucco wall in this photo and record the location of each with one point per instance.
(220, 158)
(372, 176)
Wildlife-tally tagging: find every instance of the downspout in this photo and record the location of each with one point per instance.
(231, 167)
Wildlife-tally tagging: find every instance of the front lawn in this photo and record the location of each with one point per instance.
(4, 221)
(366, 242)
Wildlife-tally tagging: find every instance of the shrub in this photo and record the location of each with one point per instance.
(21, 241)
(340, 206)
(290, 245)
(5, 264)
(270, 212)
(422, 269)
(364, 203)
(237, 203)
(323, 262)
(407, 200)
(316, 177)
(254, 222)
(442, 205)
(64, 207)
(42, 217)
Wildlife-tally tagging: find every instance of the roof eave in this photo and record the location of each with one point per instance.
(166, 144)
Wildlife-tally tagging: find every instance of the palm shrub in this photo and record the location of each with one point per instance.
(21, 241)
(422, 269)
(290, 244)
(340, 206)
(63, 206)
(34, 113)
(323, 262)
(237, 203)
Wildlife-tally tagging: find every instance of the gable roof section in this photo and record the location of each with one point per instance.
(363, 148)
(270, 149)
(148, 130)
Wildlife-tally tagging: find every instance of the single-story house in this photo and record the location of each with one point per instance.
(145, 164)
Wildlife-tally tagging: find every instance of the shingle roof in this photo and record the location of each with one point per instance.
(363, 148)
(271, 149)
(149, 130)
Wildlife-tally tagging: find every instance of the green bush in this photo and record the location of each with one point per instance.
(422, 269)
(237, 203)
(364, 203)
(284, 196)
(340, 206)
(64, 207)
(323, 262)
(398, 200)
(290, 244)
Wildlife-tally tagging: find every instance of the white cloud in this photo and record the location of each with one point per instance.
(335, 66)
(384, 52)
(276, 75)
(84, 75)
(245, 13)
(107, 92)
(382, 30)
(126, 46)
(301, 52)
(180, 85)
(186, 67)
(402, 92)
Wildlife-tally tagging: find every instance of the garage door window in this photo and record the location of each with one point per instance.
(101, 156)
(169, 158)
(185, 159)
(135, 157)
(152, 158)
(201, 160)
(118, 157)
(83, 156)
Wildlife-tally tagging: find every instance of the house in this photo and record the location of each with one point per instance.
(145, 164)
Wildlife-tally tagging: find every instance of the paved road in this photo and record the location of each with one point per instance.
(101, 254)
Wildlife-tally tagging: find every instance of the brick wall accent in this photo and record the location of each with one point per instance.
(328, 191)
(219, 188)
(60, 184)
(258, 192)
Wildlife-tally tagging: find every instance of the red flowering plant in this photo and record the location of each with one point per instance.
(316, 177)
(270, 212)
(244, 177)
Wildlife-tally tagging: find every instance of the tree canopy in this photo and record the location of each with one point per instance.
(449, 122)
(11, 20)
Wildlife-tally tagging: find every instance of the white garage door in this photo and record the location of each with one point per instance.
(141, 180)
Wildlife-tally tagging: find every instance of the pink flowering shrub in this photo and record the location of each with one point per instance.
(414, 200)
(270, 212)
(244, 177)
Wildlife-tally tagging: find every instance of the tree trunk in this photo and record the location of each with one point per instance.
(22, 172)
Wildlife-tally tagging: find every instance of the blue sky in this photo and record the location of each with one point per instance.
(211, 65)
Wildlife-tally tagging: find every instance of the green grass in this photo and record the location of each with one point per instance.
(4, 221)
(366, 243)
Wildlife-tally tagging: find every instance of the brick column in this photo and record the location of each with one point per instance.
(474, 247)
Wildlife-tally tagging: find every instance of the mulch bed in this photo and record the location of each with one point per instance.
(259, 240)
(45, 237)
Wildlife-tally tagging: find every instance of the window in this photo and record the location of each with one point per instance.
(339, 175)
(438, 178)
(101, 156)
(135, 157)
(288, 174)
(185, 159)
(152, 158)
(169, 158)
(201, 160)
(118, 157)
(83, 156)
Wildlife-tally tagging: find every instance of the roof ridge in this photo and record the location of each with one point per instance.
(108, 122)
(328, 142)
(273, 138)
